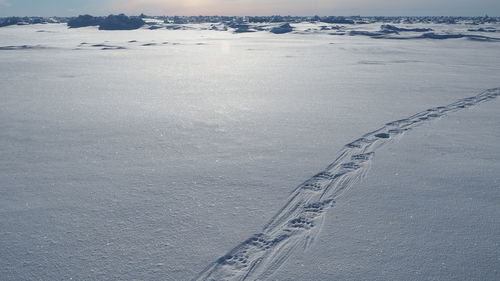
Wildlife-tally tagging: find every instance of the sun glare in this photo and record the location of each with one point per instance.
(181, 7)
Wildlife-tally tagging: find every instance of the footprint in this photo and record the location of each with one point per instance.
(398, 122)
(318, 207)
(351, 166)
(396, 131)
(363, 157)
(325, 175)
(313, 185)
(358, 143)
(301, 223)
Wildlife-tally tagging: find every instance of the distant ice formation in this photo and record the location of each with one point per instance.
(111, 22)
(284, 28)
(83, 21)
(121, 22)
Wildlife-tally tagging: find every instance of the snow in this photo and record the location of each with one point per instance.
(153, 161)
(428, 209)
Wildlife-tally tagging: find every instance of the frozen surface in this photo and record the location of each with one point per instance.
(149, 154)
(427, 211)
(298, 223)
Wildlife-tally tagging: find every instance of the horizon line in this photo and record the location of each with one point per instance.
(222, 15)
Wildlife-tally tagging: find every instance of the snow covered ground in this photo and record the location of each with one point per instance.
(150, 154)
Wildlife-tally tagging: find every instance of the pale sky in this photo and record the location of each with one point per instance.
(251, 7)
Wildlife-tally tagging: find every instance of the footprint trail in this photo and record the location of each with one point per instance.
(297, 224)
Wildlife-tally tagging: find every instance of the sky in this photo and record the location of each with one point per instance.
(251, 7)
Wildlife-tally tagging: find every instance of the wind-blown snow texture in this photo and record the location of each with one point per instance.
(150, 154)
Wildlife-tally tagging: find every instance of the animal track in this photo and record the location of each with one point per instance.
(359, 143)
(383, 135)
(301, 223)
(318, 207)
(396, 131)
(350, 166)
(325, 175)
(363, 157)
(300, 220)
(313, 185)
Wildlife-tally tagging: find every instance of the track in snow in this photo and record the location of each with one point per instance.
(299, 221)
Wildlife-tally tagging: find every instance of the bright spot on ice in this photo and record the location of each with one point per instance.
(225, 47)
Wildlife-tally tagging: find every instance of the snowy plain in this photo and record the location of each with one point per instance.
(150, 154)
